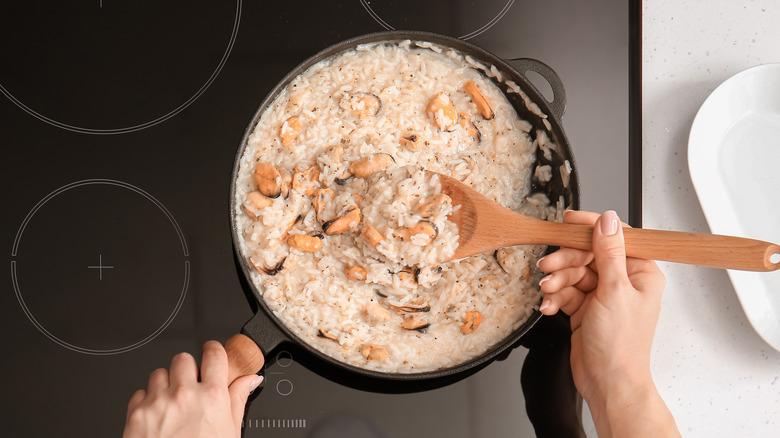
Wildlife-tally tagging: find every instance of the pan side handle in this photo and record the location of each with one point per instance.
(246, 351)
(524, 65)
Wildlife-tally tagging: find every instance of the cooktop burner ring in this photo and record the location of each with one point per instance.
(376, 16)
(97, 267)
(140, 126)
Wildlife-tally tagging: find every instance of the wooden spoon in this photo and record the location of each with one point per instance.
(485, 225)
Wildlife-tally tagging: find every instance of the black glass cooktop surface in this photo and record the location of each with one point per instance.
(120, 124)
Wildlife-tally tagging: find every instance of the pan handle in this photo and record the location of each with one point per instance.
(558, 102)
(247, 350)
(244, 357)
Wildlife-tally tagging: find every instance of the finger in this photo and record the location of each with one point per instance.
(646, 276)
(564, 258)
(583, 218)
(214, 365)
(568, 299)
(574, 299)
(579, 276)
(580, 217)
(639, 266)
(239, 393)
(578, 313)
(609, 251)
(184, 370)
(135, 401)
(588, 282)
(158, 380)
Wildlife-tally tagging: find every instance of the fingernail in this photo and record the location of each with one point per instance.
(255, 383)
(545, 278)
(609, 223)
(539, 261)
(545, 304)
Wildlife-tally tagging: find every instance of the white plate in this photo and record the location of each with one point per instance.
(734, 160)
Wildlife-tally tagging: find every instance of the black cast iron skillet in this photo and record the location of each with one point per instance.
(269, 334)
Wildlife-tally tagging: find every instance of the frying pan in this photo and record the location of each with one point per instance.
(267, 334)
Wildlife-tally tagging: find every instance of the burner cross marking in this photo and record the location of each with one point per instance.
(100, 266)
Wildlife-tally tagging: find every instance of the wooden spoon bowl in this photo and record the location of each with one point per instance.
(485, 225)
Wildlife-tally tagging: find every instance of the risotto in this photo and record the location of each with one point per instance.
(348, 235)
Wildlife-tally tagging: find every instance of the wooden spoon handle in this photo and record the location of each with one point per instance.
(713, 250)
(244, 357)
(725, 252)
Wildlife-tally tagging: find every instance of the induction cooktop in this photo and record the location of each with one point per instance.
(120, 125)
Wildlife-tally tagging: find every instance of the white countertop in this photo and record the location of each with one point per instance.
(719, 378)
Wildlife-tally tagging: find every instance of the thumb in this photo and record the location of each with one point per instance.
(239, 392)
(609, 250)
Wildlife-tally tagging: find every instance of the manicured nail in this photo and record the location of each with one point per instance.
(545, 278)
(609, 223)
(539, 261)
(255, 383)
(545, 304)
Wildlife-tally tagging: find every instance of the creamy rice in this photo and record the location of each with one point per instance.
(350, 138)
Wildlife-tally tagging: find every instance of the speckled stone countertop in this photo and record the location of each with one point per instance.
(719, 378)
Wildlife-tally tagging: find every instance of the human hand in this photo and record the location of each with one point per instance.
(178, 404)
(614, 303)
